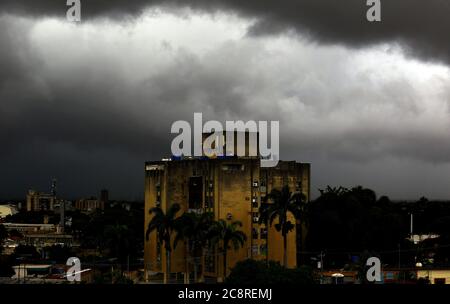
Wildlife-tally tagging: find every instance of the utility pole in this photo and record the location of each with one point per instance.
(321, 266)
(128, 266)
(411, 227)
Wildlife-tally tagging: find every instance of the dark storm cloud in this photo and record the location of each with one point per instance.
(88, 104)
(420, 26)
(83, 121)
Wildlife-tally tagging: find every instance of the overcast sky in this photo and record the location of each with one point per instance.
(89, 103)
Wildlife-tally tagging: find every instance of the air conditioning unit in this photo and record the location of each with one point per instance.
(255, 184)
(256, 219)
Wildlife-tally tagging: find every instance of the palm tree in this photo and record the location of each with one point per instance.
(226, 234)
(302, 218)
(117, 239)
(193, 229)
(278, 204)
(164, 224)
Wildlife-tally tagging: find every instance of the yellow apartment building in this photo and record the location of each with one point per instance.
(232, 189)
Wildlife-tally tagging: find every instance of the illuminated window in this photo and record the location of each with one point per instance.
(255, 202)
(255, 217)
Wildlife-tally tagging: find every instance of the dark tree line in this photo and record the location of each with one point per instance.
(347, 224)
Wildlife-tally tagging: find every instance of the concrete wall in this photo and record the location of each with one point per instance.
(434, 274)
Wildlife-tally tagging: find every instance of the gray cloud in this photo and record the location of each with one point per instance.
(421, 27)
(90, 103)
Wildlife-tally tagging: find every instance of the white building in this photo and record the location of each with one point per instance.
(6, 210)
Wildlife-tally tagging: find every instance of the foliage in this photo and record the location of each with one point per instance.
(117, 239)
(58, 253)
(6, 263)
(163, 224)
(195, 228)
(227, 235)
(26, 252)
(278, 205)
(116, 231)
(268, 273)
(345, 222)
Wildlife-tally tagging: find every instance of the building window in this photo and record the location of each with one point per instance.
(154, 167)
(209, 203)
(255, 250)
(195, 192)
(255, 202)
(263, 249)
(255, 217)
(254, 233)
(233, 167)
(158, 195)
(262, 186)
(264, 233)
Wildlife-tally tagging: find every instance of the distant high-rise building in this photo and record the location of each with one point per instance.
(104, 196)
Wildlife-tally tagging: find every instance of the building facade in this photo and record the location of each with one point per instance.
(6, 210)
(435, 276)
(232, 189)
(38, 201)
(89, 205)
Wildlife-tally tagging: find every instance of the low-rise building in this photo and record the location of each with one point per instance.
(89, 205)
(38, 201)
(30, 228)
(6, 210)
(49, 239)
(435, 275)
